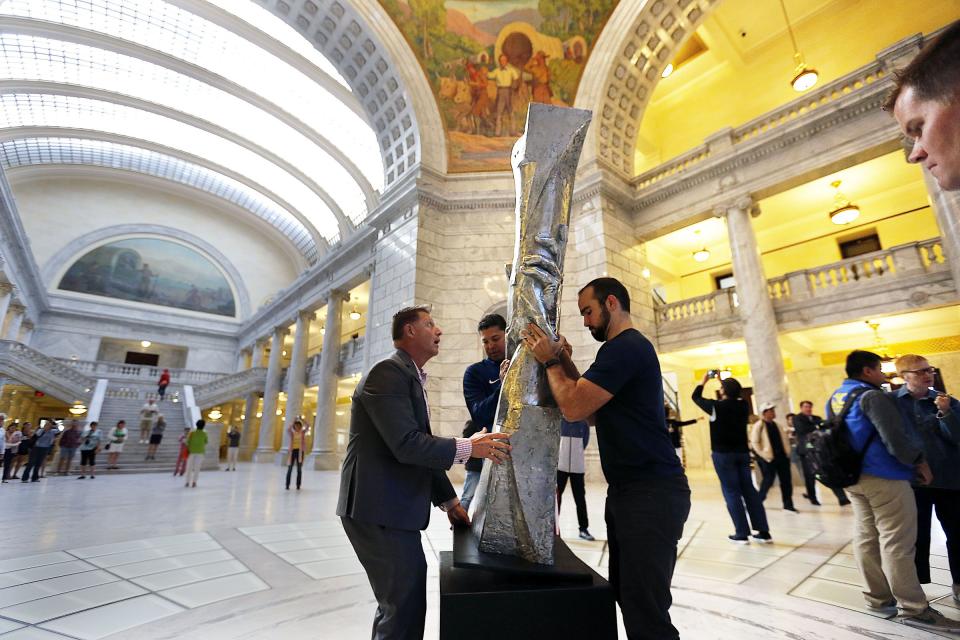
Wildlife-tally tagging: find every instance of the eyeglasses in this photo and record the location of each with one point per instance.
(930, 370)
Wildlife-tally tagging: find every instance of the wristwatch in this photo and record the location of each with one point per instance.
(551, 362)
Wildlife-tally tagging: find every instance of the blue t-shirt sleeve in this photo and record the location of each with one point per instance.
(613, 368)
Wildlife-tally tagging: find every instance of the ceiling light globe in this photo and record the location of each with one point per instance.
(804, 79)
(845, 215)
(702, 255)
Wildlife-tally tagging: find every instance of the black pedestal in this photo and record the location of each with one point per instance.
(478, 604)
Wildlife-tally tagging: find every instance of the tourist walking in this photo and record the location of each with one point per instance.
(156, 436)
(11, 445)
(163, 383)
(181, 466)
(148, 413)
(69, 443)
(298, 446)
(88, 451)
(233, 448)
(115, 444)
(196, 447)
(574, 437)
(771, 443)
(44, 440)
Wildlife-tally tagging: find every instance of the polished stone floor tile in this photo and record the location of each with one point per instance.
(33, 633)
(113, 618)
(134, 545)
(53, 586)
(840, 594)
(8, 625)
(23, 576)
(208, 591)
(179, 577)
(136, 569)
(331, 568)
(28, 562)
(139, 555)
(64, 604)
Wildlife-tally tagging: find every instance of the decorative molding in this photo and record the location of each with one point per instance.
(60, 261)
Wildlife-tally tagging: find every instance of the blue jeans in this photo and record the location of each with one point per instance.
(733, 469)
(469, 488)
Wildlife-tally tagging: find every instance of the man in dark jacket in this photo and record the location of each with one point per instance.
(805, 423)
(481, 391)
(394, 468)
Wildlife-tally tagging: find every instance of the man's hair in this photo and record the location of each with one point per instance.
(492, 320)
(934, 74)
(731, 388)
(603, 287)
(908, 362)
(803, 402)
(201, 424)
(407, 315)
(120, 422)
(858, 359)
(94, 424)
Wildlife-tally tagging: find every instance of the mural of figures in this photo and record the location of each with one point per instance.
(153, 271)
(486, 60)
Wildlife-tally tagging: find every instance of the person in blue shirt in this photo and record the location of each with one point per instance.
(884, 507)
(481, 390)
(648, 498)
(932, 419)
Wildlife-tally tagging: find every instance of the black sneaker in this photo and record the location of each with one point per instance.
(82, 478)
(931, 619)
(763, 537)
(738, 539)
(793, 509)
(844, 503)
(585, 535)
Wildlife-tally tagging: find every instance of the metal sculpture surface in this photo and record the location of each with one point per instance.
(516, 501)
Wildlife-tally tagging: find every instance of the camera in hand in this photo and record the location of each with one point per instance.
(713, 373)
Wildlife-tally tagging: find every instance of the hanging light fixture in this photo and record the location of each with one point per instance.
(843, 212)
(215, 414)
(355, 314)
(323, 330)
(701, 254)
(77, 409)
(145, 344)
(804, 77)
(887, 363)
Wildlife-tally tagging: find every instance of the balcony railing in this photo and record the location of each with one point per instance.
(119, 370)
(230, 386)
(884, 268)
(42, 372)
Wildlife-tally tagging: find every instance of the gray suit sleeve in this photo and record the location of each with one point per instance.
(386, 397)
(885, 416)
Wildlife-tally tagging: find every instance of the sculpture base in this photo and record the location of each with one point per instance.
(566, 567)
(477, 604)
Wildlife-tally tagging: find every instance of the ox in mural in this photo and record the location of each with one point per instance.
(486, 60)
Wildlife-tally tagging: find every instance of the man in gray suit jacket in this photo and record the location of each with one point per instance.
(394, 468)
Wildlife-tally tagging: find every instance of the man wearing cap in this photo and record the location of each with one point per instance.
(769, 440)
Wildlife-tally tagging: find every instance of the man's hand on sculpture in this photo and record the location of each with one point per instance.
(458, 516)
(540, 345)
(565, 346)
(503, 369)
(495, 446)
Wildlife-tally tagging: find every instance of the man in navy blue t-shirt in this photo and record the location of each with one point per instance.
(648, 498)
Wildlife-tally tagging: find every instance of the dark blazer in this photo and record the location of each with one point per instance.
(394, 466)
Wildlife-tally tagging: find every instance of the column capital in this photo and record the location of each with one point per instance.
(6, 287)
(280, 331)
(309, 315)
(17, 307)
(340, 294)
(742, 202)
(27, 325)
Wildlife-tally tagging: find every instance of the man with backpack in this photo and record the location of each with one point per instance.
(884, 508)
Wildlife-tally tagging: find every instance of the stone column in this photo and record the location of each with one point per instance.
(265, 450)
(756, 308)
(6, 297)
(14, 320)
(26, 332)
(296, 376)
(946, 209)
(256, 358)
(243, 358)
(324, 433)
(249, 425)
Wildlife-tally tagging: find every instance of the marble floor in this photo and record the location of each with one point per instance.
(239, 557)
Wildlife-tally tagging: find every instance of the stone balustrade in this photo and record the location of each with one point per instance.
(904, 277)
(120, 370)
(43, 373)
(229, 387)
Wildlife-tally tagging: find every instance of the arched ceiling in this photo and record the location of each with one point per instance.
(220, 95)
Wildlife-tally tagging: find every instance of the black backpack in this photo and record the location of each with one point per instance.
(830, 451)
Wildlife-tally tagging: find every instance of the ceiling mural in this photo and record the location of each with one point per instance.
(486, 60)
(152, 271)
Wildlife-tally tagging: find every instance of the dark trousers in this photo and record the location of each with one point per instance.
(397, 571)
(947, 502)
(579, 495)
(295, 459)
(35, 462)
(644, 522)
(811, 482)
(162, 391)
(778, 469)
(733, 469)
(8, 457)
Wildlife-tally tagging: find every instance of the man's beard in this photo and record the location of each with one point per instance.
(600, 333)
